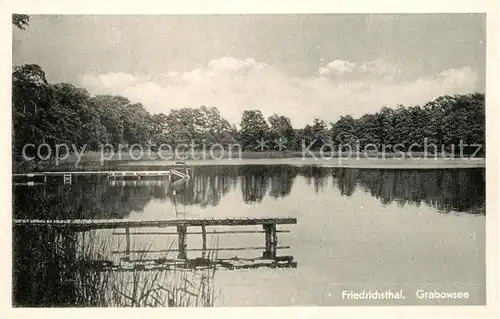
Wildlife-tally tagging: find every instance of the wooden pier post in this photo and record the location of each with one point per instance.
(204, 238)
(271, 241)
(182, 232)
(127, 238)
(83, 242)
(274, 238)
(69, 244)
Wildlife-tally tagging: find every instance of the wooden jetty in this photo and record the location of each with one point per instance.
(123, 223)
(268, 224)
(234, 263)
(27, 184)
(172, 174)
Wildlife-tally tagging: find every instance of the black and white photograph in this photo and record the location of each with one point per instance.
(249, 159)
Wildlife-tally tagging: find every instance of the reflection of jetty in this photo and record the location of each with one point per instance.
(172, 174)
(268, 224)
(233, 263)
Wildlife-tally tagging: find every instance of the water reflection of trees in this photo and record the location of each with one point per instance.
(315, 176)
(254, 182)
(282, 179)
(210, 184)
(345, 180)
(207, 186)
(95, 197)
(448, 190)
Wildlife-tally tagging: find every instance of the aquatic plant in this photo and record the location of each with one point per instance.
(66, 269)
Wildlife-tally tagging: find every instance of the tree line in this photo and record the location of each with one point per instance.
(62, 113)
(444, 121)
(45, 113)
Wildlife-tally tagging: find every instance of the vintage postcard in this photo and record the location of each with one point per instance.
(251, 158)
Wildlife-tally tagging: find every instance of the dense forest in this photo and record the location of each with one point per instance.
(65, 114)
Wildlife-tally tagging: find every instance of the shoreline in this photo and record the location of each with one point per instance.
(354, 163)
(332, 163)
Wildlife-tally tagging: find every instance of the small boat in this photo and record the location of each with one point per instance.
(179, 163)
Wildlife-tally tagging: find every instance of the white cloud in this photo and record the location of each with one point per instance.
(351, 70)
(337, 67)
(231, 64)
(115, 80)
(232, 85)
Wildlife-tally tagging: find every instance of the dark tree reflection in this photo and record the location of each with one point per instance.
(461, 190)
(447, 190)
(206, 187)
(315, 176)
(282, 179)
(254, 182)
(88, 198)
(346, 180)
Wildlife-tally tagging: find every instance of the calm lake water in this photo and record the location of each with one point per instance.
(357, 228)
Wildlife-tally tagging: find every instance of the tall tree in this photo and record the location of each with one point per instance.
(343, 132)
(254, 130)
(109, 109)
(281, 132)
(368, 129)
(32, 100)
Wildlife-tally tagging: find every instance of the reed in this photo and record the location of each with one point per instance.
(54, 269)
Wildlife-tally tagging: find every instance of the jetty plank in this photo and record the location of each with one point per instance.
(119, 223)
(169, 172)
(92, 173)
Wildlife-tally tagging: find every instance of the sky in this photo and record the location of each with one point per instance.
(303, 66)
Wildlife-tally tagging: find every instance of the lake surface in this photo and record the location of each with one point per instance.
(358, 229)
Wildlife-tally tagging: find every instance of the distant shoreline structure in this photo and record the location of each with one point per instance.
(362, 163)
